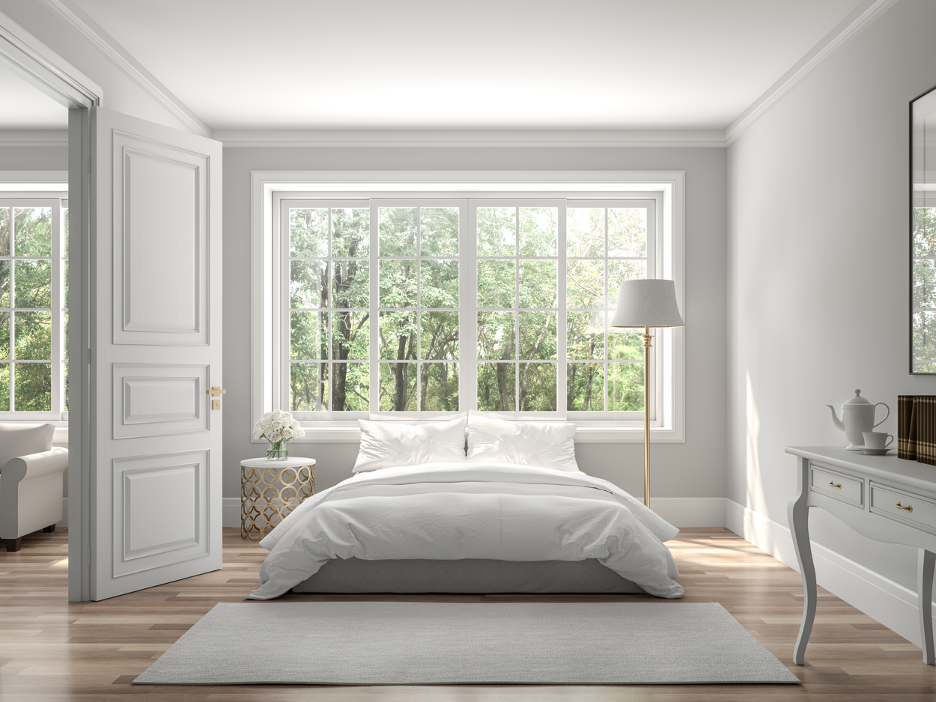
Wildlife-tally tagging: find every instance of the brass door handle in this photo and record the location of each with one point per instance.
(909, 508)
(216, 392)
(839, 486)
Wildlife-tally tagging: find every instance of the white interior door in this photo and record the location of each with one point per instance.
(155, 331)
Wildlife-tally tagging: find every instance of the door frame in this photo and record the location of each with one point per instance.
(46, 70)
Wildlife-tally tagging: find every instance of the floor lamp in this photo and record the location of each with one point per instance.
(646, 304)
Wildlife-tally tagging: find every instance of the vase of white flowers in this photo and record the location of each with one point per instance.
(278, 427)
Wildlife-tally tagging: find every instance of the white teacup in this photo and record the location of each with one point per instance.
(877, 439)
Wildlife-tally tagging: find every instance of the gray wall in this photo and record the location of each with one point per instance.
(16, 158)
(818, 258)
(693, 469)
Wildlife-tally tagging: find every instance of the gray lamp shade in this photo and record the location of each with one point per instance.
(647, 303)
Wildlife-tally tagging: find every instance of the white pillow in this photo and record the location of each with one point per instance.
(387, 444)
(545, 444)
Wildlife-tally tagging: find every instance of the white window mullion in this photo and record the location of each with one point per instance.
(58, 341)
(374, 299)
(280, 313)
(562, 391)
(468, 302)
(417, 313)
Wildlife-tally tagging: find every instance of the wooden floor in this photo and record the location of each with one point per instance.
(52, 651)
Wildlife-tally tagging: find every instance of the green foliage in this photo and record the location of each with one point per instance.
(418, 320)
(923, 329)
(334, 326)
(26, 284)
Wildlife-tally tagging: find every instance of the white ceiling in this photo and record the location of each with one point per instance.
(486, 64)
(23, 106)
(483, 64)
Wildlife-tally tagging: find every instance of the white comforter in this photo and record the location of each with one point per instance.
(456, 510)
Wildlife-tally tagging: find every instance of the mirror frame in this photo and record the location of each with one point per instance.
(922, 107)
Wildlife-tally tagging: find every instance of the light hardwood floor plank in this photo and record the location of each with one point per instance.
(54, 651)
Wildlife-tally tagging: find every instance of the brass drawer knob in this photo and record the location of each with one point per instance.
(835, 485)
(909, 508)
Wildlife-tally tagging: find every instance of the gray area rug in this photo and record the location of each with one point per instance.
(416, 643)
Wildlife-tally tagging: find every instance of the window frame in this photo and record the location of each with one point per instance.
(270, 189)
(57, 199)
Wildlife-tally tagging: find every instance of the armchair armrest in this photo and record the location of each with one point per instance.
(31, 489)
(35, 465)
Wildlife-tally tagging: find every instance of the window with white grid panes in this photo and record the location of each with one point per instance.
(605, 245)
(33, 308)
(329, 308)
(418, 307)
(517, 307)
(430, 306)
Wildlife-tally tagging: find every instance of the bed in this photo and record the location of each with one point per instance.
(511, 513)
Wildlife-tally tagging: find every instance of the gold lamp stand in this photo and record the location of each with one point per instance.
(643, 304)
(647, 339)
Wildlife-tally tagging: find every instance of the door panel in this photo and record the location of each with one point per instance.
(159, 295)
(156, 351)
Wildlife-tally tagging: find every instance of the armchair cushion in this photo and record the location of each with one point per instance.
(17, 440)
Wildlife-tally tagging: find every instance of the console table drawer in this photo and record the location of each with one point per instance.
(836, 485)
(915, 511)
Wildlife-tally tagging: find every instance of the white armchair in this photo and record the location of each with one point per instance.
(31, 481)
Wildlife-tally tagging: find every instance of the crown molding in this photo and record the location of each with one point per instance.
(469, 138)
(34, 138)
(118, 56)
(36, 63)
(856, 22)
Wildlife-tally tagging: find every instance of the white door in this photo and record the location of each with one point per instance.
(155, 430)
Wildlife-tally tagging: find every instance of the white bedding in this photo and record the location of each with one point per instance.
(458, 510)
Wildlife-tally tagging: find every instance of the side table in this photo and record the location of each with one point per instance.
(271, 489)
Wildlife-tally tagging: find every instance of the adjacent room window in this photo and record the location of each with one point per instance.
(419, 307)
(33, 308)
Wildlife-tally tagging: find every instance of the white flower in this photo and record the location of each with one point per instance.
(287, 433)
(277, 425)
(275, 436)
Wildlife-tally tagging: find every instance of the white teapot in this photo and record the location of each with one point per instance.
(857, 418)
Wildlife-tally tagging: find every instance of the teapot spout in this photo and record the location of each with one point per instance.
(835, 420)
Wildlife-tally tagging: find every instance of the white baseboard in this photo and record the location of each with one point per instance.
(882, 599)
(690, 511)
(230, 512)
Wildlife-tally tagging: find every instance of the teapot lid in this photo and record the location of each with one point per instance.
(856, 400)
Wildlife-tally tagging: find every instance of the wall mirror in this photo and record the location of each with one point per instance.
(923, 234)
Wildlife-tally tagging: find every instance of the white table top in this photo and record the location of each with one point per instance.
(291, 462)
(887, 467)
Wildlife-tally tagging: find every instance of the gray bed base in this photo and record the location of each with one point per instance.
(465, 576)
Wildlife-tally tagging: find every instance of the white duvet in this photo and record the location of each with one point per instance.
(450, 511)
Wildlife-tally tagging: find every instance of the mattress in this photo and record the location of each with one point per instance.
(465, 576)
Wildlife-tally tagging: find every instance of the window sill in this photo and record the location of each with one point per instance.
(583, 435)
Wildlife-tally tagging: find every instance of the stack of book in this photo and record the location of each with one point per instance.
(916, 428)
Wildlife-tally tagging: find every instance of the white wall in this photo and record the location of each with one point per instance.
(693, 469)
(818, 267)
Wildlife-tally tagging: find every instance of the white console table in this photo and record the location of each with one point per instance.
(882, 497)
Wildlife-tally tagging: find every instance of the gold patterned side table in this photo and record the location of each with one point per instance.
(271, 489)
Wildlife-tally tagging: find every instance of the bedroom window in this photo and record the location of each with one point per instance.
(418, 302)
(518, 306)
(33, 308)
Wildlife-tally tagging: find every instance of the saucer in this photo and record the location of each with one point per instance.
(876, 452)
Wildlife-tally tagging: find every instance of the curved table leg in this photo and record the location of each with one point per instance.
(799, 526)
(926, 561)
